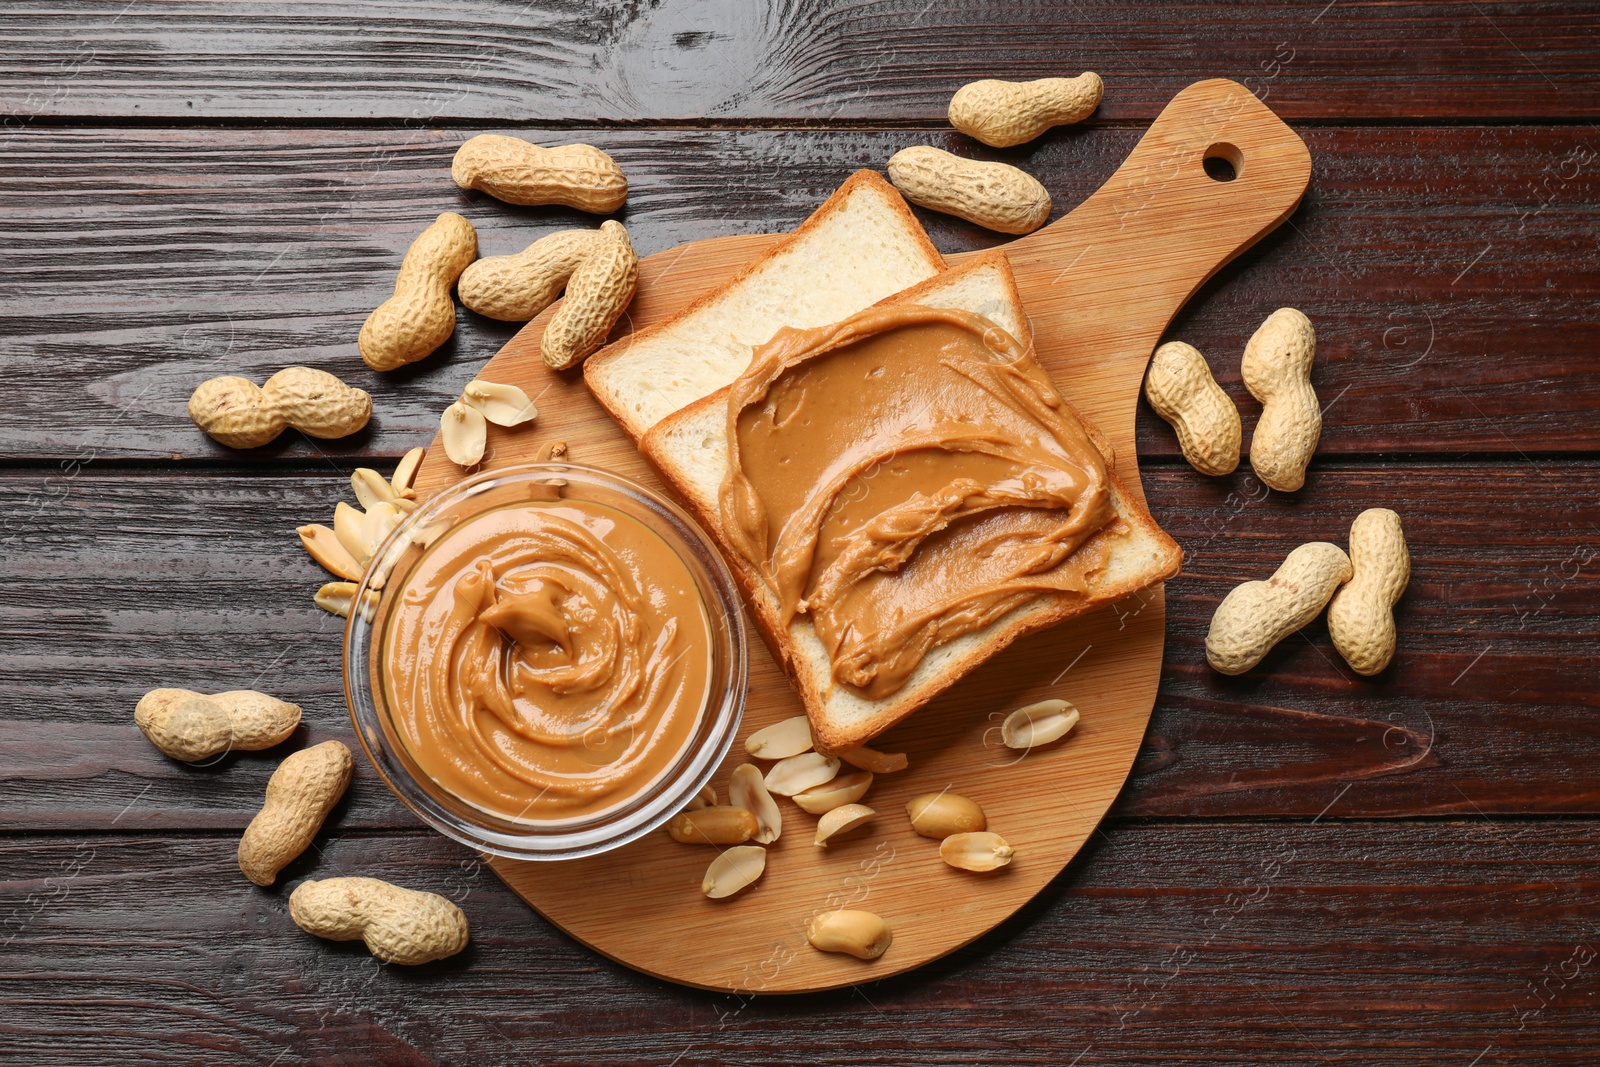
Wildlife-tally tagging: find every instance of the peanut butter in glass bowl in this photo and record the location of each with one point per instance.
(554, 664)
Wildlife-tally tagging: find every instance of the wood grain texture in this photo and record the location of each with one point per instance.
(1451, 272)
(878, 62)
(1519, 579)
(119, 581)
(1420, 944)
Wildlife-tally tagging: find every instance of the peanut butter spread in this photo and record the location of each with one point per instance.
(905, 477)
(547, 660)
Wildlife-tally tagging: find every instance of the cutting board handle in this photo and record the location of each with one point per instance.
(1113, 272)
(1163, 188)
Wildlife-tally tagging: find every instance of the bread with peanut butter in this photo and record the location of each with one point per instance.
(903, 494)
(862, 245)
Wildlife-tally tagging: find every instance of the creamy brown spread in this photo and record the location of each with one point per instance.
(547, 660)
(905, 477)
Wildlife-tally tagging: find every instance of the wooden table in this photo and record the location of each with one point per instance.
(1306, 867)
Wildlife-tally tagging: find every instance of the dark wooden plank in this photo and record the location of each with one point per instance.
(900, 59)
(1499, 626)
(1433, 943)
(1452, 272)
(120, 581)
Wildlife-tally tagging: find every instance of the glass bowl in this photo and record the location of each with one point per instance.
(572, 836)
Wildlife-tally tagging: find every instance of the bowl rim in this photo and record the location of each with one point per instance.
(730, 673)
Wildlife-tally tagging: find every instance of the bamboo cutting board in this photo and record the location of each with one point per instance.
(1100, 285)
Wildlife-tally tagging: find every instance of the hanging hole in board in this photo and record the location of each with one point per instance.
(1223, 162)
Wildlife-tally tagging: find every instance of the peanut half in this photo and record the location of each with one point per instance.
(1361, 614)
(236, 412)
(503, 405)
(349, 526)
(859, 933)
(781, 740)
(420, 316)
(1277, 371)
(747, 790)
(597, 294)
(1257, 615)
(339, 597)
(996, 196)
(714, 825)
(979, 851)
(1180, 389)
(840, 821)
(191, 726)
(325, 546)
(938, 815)
(405, 472)
(703, 799)
(465, 433)
(734, 869)
(376, 526)
(516, 288)
(300, 794)
(371, 488)
(404, 926)
(789, 776)
(519, 172)
(845, 789)
(1038, 724)
(1002, 114)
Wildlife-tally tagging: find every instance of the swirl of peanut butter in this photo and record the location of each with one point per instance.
(547, 660)
(905, 477)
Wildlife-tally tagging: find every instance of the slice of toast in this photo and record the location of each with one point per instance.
(862, 245)
(1131, 553)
